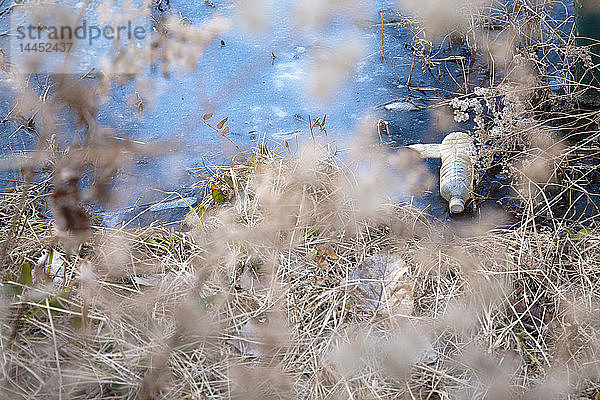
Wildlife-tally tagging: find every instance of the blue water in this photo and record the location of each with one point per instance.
(259, 82)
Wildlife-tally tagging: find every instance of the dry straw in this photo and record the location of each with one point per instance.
(254, 300)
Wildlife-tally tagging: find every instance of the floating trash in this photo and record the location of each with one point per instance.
(402, 105)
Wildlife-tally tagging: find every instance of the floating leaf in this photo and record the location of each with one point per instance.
(217, 195)
(207, 116)
(225, 131)
(222, 122)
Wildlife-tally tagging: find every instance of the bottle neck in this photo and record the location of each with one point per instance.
(457, 205)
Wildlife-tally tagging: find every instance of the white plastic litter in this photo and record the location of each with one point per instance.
(52, 263)
(404, 105)
(456, 172)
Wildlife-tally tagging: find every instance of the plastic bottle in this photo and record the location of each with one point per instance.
(427, 150)
(456, 172)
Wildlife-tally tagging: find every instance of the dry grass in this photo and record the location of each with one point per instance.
(249, 303)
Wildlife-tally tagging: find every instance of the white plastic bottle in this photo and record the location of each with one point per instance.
(456, 172)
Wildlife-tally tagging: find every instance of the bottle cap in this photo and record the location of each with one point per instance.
(457, 205)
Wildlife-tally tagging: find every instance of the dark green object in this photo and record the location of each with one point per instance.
(587, 30)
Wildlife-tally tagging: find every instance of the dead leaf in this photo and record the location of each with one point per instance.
(327, 251)
(381, 285)
(222, 122)
(207, 116)
(322, 262)
(330, 253)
